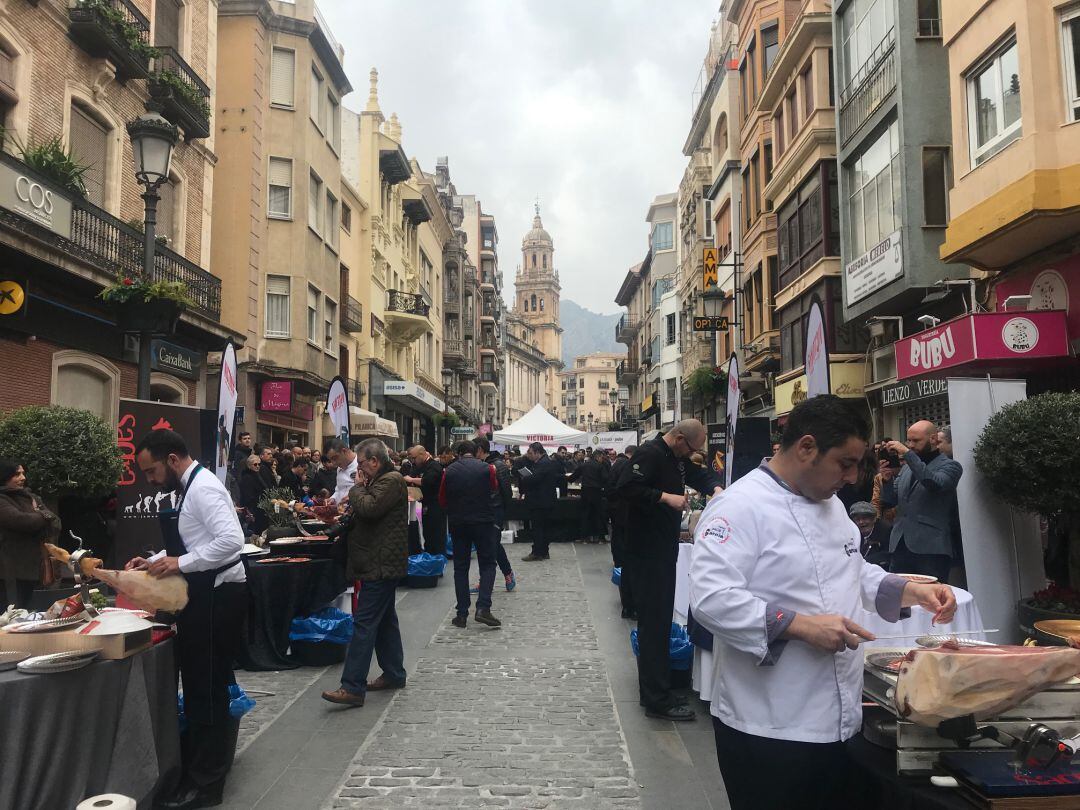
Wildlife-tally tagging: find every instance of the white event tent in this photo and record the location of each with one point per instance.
(538, 426)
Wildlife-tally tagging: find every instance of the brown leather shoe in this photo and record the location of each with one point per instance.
(381, 683)
(343, 697)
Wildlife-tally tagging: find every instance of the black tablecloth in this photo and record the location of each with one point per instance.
(877, 786)
(279, 593)
(106, 728)
(566, 520)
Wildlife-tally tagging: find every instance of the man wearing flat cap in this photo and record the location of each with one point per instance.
(875, 534)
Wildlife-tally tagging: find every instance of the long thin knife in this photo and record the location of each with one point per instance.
(944, 635)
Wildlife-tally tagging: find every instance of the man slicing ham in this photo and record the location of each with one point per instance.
(776, 574)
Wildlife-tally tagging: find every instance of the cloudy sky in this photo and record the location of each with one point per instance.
(584, 103)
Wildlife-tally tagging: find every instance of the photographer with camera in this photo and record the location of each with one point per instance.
(923, 493)
(888, 467)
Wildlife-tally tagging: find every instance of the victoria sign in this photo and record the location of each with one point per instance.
(983, 338)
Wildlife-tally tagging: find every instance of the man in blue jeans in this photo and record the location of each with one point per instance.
(465, 494)
(378, 559)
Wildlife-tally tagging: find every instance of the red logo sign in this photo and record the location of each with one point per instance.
(276, 395)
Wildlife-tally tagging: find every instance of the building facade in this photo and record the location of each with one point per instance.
(588, 392)
(660, 328)
(633, 389)
(64, 76)
(536, 302)
(525, 369)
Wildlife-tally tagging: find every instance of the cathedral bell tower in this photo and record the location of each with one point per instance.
(536, 300)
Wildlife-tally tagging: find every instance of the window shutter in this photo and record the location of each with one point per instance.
(314, 187)
(89, 145)
(167, 24)
(283, 77)
(279, 177)
(166, 219)
(315, 97)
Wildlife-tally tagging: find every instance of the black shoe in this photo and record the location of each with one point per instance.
(533, 558)
(188, 797)
(460, 621)
(485, 617)
(629, 613)
(676, 713)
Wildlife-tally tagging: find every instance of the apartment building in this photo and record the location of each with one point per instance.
(588, 392)
(525, 368)
(66, 75)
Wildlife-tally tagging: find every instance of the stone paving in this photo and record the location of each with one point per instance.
(516, 717)
(285, 687)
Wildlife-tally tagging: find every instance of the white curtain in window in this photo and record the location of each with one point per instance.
(280, 184)
(277, 306)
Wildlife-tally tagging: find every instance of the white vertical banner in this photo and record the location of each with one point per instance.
(734, 395)
(816, 358)
(226, 420)
(337, 407)
(1002, 550)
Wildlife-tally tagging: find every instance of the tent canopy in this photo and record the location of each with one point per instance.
(366, 423)
(538, 426)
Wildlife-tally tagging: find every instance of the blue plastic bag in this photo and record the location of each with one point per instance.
(616, 576)
(426, 565)
(680, 649)
(329, 624)
(239, 705)
(449, 546)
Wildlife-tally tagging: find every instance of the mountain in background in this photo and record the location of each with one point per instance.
(585, 332)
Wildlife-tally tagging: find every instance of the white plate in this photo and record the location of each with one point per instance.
(287, 541)
(45, 626)
(58, 662)
(9, 660)
(924, 579)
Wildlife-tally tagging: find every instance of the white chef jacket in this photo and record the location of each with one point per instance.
(762, 553)
(209, 528)
(345, 482)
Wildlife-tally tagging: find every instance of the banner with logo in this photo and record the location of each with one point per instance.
(337, 408)
(617, 440)
(226, 415)
(817, 352)
(137, 501)
(734, 395)
(717, 447)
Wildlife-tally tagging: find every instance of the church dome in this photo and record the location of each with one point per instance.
(537, 234)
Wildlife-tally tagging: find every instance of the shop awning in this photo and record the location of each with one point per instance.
(366, 423)
(413, 395)
(986, 341)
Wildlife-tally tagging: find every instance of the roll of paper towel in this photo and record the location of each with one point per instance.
(107, 801)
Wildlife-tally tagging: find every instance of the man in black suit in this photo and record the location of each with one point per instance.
(427, 474)
(539, 482)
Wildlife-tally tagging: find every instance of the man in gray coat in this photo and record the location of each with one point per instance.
(923, 493)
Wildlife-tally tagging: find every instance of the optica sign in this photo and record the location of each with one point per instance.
(983, 337)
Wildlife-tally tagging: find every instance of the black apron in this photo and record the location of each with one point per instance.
(195, 623)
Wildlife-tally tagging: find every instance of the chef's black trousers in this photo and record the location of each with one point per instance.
(653, 585)
(592, 502)
(618, 558)
(766, 774)
(207, 749)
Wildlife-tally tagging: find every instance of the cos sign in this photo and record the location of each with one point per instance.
(35, 201)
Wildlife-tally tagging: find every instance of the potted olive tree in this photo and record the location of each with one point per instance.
(1029, 454)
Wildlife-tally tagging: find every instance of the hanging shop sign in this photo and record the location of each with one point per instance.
(882, 264)
(35, 201)
(913, 390)
(173, 359)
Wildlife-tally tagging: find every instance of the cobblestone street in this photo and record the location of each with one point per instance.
(541, 713)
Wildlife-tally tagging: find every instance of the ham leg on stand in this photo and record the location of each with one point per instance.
(169, 594)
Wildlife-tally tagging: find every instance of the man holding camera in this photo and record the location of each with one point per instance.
(923, 493)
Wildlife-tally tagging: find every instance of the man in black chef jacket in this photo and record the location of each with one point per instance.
(202, 540)
(653, 491)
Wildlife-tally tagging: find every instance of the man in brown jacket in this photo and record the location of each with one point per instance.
(378, 559)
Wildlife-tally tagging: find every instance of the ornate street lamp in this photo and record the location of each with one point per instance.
(613, 398)
(152, 142)
(447, 380)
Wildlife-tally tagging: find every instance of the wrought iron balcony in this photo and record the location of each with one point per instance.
(405, 302)
(627, 370)
(627, 329)
(182, 94)
(489, 341)
(468, 369)
(469, 276)
(114, 248)
(352, 313)
(115, 30)
(869, 89)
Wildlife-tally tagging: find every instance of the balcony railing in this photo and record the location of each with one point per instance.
(469, 276)
(626, 329)
(408, 303)
(468, 369)
(451, 299)
(352, 314)
(626, 370)
(489, 375)
(869, 89)
(181, 92)
(7, 79)
(452, 347)
(489, 341)
(113, 29)
(114, 248)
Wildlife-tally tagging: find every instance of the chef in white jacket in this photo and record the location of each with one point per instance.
(776, 573)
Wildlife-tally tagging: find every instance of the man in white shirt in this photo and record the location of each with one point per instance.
(776, 574)
(342, 457)
(203, 540)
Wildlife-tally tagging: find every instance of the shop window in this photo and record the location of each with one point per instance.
(86, 381)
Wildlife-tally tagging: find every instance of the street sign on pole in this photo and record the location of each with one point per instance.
(706, 323)
(710, 278)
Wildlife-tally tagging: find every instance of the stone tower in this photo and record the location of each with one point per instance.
(536, 300)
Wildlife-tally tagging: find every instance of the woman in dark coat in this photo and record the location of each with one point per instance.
(24, 525)
(252, 487)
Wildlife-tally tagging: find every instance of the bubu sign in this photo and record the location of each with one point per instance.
(706, 323)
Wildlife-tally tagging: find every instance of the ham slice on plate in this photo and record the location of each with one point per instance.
(950, 681)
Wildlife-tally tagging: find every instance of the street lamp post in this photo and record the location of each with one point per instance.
(712, 300)
(152, 142)
(590, 418)
(447, 379)
(613, 397)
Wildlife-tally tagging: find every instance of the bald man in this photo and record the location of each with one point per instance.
(652, 486)
(924, 494)
(427, 474)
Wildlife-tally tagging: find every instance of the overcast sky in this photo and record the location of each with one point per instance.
(584, 103)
